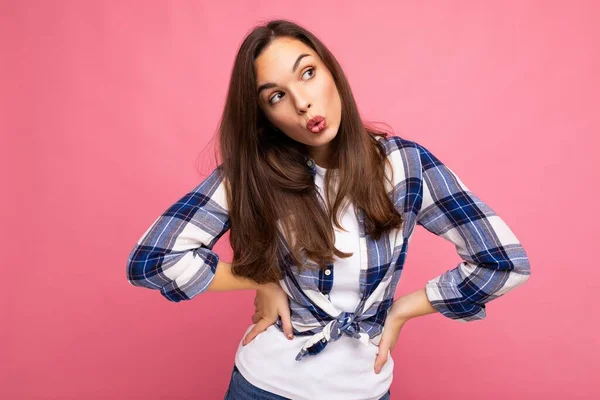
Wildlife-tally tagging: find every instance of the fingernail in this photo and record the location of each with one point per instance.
(290, 336)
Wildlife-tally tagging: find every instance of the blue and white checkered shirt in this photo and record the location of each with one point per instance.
(175, 254)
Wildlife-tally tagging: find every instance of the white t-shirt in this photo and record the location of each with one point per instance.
(342, 371)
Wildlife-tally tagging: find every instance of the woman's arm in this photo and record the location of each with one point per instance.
(494, 262)
(224, 280)
(175, 254)
(412, 305)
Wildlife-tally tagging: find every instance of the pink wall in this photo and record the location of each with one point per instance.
(105, 107)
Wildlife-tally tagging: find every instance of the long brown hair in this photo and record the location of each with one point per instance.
(270, 189)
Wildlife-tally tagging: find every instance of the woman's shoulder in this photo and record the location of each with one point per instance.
(395, 145)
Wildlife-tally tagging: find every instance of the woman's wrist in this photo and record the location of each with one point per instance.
(265, 287)
(412, 305)
(225, 280)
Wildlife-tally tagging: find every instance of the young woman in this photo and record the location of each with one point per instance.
(321, 209)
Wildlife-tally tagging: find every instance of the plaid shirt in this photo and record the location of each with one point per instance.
(174, 254)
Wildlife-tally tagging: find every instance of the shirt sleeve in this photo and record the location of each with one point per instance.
(175, 254)
(493, 260)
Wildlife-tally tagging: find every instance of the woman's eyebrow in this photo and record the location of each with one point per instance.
(271, 84)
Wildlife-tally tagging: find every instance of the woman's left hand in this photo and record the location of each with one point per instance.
(391, 329)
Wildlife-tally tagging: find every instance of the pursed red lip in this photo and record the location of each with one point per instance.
(314, 121)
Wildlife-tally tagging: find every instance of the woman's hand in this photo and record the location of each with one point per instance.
(271, 301)
(394, 322)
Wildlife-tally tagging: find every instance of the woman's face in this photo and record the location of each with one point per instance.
(297, 86)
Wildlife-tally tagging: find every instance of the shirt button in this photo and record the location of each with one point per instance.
(327, 272)
(309, 163)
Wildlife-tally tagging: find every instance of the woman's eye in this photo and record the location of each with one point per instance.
(271, 99)
(310, 69)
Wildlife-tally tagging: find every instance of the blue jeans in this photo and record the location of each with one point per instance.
(240, 389)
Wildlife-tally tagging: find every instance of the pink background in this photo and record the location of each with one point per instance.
(106, 107)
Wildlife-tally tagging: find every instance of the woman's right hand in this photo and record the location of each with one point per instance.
(270, 303)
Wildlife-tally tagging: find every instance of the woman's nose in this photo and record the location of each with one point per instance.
(302, 105)
(302, 102)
